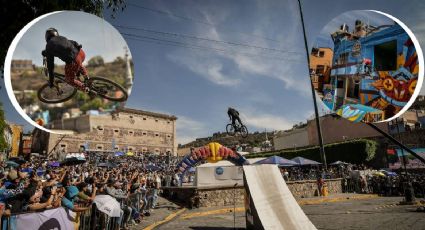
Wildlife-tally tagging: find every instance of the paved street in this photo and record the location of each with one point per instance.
(338, 212)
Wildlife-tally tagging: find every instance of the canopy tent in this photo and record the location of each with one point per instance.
(130, 154)
(118, 154)
(54, 164)
(107, 164)
(12, 164)
(152, 168)
(73, 159)
(339, 163)
(276, 160)
(305, 161)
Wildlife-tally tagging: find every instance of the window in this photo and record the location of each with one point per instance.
(340, 84)
(385, 56)
(144, 133)
(100, 128)
(144, 118)
(99, 147)
(168, 136)
(116, 131)
(130, 132)
(314, 51)
(117, 147)
(353, 88)
(320, 69)
(156, 134)
(321, 53)
(156, 120)
(168, 122)
(343, 59)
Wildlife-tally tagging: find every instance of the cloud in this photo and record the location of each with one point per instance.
(239, 63)
(188, 130)
(266, 121)
(209, 68)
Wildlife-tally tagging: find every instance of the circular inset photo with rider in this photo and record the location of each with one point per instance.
(67, 64)
(366, 66)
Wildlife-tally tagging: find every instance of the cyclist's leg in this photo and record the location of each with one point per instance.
(234, 121)
(71, 70)
(80, 59)
(239, 120)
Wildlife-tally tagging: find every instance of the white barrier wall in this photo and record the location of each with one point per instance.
(222, 173)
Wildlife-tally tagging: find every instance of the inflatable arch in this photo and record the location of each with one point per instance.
(211, 153)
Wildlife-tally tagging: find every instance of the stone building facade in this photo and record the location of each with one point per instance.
(334, 129)
(123, 130)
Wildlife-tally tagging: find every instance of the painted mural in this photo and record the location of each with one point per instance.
(374, 72)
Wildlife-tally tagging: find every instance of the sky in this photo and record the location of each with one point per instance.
(194, 59)
(96, 36)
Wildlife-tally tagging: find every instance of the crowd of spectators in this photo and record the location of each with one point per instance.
(360, 178)
(40, 184)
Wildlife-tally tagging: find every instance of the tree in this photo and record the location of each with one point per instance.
(16, 14)
(96, 61)
(3, 126)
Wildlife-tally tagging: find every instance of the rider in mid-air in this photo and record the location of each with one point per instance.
(234, 115)
(69, 52)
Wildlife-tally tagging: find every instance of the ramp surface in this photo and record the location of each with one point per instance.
(272, 200)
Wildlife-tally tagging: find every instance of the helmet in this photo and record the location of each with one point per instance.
(51, 32)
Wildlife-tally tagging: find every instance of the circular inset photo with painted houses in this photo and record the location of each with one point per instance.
(365, 66)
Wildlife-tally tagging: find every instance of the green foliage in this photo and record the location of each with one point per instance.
(96, 61)
(119, 60)
(96, 103)
(355, 151)
(3, 125)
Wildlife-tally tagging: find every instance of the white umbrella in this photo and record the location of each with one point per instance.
(108, 205)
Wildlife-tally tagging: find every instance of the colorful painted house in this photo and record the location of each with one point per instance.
(377, 68)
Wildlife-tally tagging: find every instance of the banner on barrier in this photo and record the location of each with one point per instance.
(57, 218)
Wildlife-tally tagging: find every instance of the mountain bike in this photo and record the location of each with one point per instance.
(237, 128)
(63, 91)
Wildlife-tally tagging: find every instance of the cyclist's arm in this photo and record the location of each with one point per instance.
(50, 66)
(76, 44)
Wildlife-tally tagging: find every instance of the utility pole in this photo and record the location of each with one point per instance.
(316, 111)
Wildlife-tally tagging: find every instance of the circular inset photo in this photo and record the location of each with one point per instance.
(66, 64)
(365, 66)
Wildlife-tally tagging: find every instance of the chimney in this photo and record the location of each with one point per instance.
(360, 29)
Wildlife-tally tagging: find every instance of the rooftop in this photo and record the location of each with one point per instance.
(142, 112)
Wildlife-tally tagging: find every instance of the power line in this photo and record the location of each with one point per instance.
(208, 39)
(158, 11)
(196, 47)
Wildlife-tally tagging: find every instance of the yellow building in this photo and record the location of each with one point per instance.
(320, 66)
(16, 139)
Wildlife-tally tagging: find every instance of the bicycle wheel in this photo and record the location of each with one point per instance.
(61, 92)
(107, 89)
(230, 129)
(244, 131)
